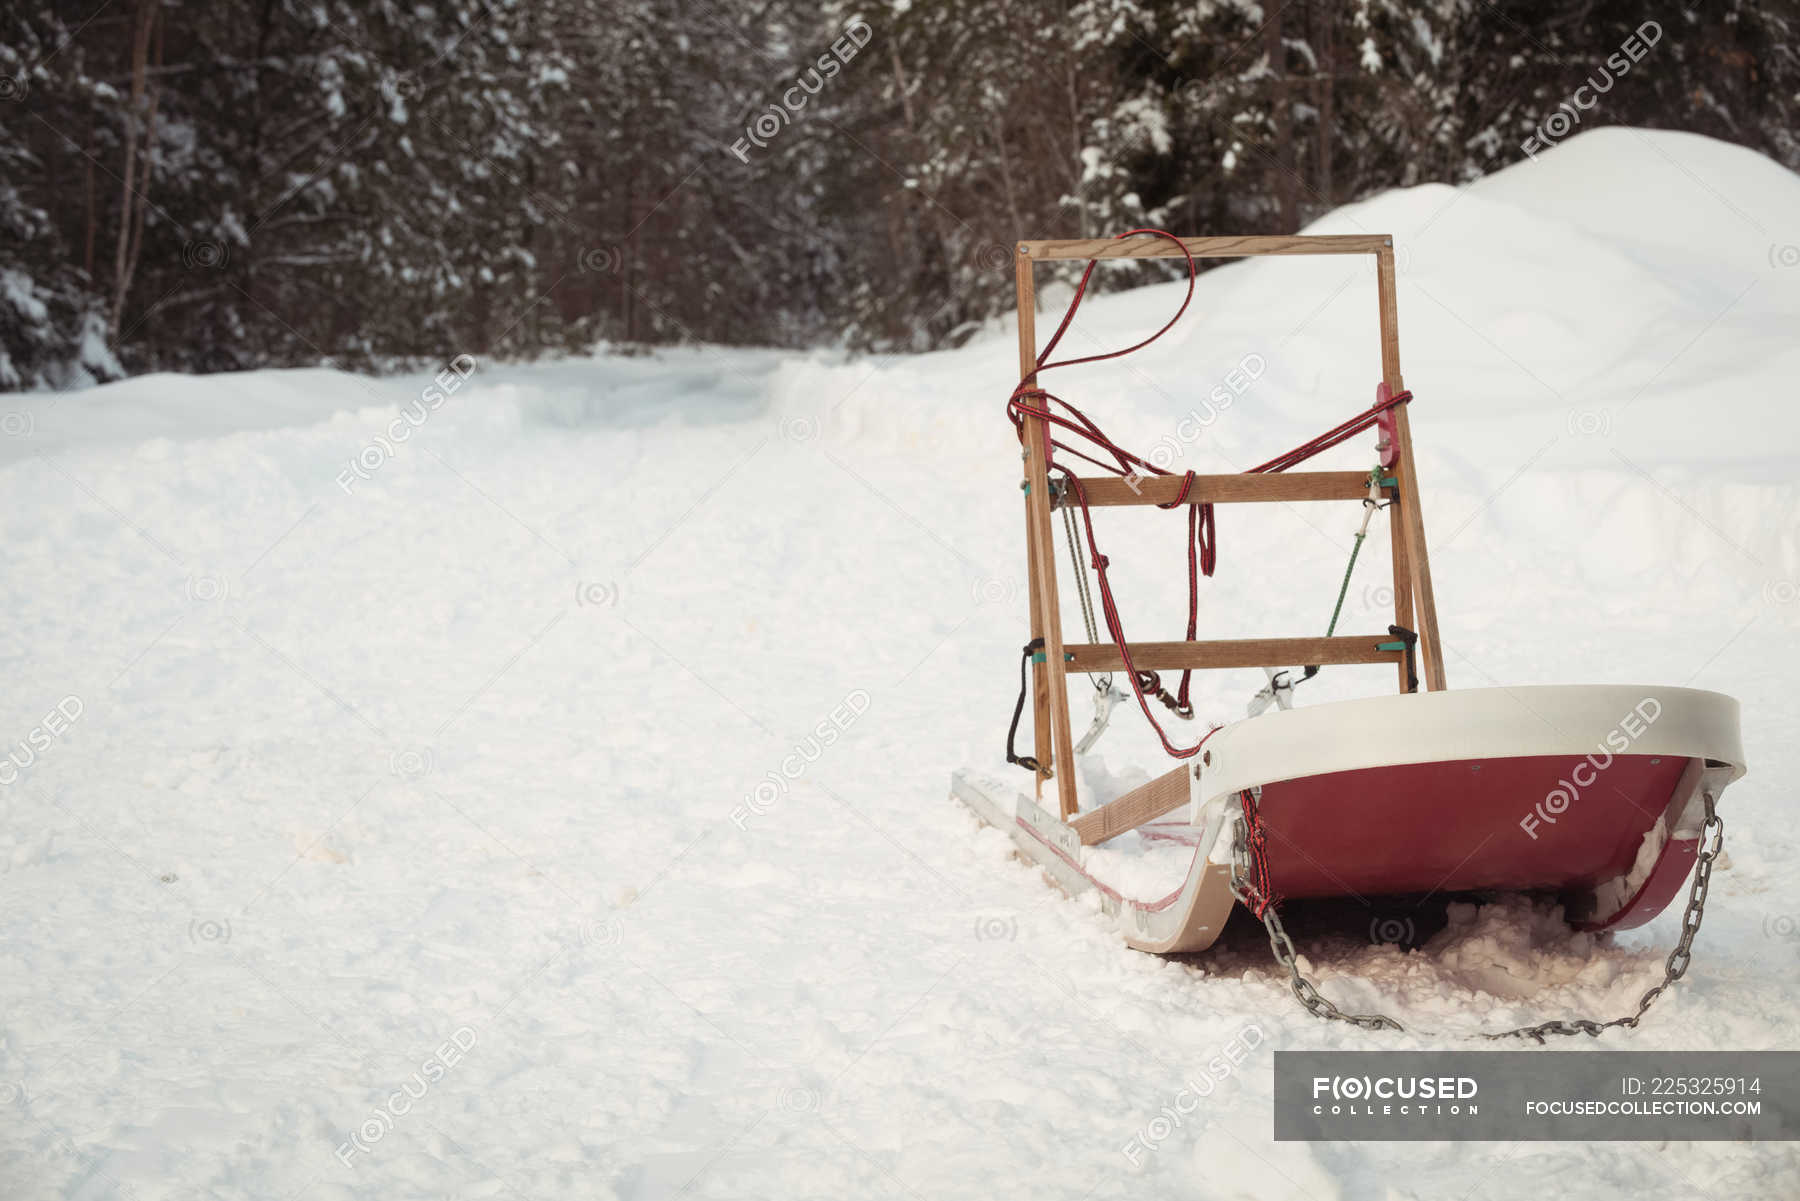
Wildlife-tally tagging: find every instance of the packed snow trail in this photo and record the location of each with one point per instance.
(557, 808)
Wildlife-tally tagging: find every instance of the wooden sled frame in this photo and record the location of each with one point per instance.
(1415, 607)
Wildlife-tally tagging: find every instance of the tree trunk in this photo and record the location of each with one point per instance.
(143, 196)
(627, 312)
(906, 104)
(145, 17)
(1323, 17)
(1281, 113)
(1006, 180)
(93, 216)
(1077, 188)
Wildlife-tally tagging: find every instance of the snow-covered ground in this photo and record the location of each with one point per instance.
(439, 833)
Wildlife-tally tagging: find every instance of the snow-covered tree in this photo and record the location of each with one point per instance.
(213, 184)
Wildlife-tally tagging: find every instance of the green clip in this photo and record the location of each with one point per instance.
(1390, 646)
(1388, 481)
(1068, 656)
(1038, 657)
(1025, 487)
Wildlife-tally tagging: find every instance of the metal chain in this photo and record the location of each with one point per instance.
(1712, 841)
(1283, 946)
(1081, 582)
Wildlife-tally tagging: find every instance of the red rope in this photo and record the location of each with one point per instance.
(1262, 891)
(1332, 437)
(1116, 628)
(1031, 402)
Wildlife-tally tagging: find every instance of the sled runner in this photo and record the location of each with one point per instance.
(1602, 796)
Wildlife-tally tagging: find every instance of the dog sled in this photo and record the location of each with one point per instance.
(1602, 796)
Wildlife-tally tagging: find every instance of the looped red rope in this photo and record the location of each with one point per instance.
(1202, 553)
(1036, 403)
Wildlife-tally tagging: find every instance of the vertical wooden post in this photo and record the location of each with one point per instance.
(1403, 598)
(1397, 537)
(1040, 693)
(1413, 597)
(1040, 690)
(1054, 742)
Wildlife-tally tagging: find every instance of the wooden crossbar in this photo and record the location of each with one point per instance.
(1231, 652)
(1149, 247)
(1147, 802)
(1223, 489)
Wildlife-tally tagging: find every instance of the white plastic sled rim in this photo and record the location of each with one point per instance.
(1388, 731)
(1471, 723)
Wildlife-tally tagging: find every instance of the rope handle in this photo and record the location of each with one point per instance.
(1032, 649)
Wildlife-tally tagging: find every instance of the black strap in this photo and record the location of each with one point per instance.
(1412, 641)
(1012, 732)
